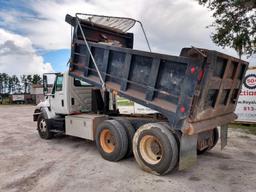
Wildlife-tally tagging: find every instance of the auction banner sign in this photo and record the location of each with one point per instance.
(246, 105)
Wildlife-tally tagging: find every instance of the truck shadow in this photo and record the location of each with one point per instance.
(74, 142)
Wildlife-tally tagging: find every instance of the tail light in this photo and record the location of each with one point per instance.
(182, 109)
(200, 76)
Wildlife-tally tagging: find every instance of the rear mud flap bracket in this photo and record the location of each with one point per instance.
(188, 151)
(224, 135)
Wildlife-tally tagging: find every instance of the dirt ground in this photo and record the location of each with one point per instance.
(28, 163)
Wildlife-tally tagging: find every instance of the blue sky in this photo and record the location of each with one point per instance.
(34, 37)
(58, 59)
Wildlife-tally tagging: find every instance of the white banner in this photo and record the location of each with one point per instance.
(18, 97)
(246, 105)
(140, 109)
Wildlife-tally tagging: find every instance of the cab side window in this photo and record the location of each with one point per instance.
(59, 82)
(80, 83)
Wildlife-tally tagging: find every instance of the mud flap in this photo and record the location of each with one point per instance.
(188, 151)
(223, 135)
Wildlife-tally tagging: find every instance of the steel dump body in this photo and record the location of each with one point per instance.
(195, 91)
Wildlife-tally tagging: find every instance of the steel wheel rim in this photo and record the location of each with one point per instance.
(151, 149)
(43, 126)
(107, 141)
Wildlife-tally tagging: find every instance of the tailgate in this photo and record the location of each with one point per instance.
(218, 88)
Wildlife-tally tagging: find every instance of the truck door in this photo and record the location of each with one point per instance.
(57, 100)
(80, 96)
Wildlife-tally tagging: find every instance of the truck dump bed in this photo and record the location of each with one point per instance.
(197, 89)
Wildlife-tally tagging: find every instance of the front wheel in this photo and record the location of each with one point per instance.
(155, 148)
(43, 127)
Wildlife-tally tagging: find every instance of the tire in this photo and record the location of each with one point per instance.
(43, 127)
(155, 148)
(130, 131)
(111, 140)
(215, 141)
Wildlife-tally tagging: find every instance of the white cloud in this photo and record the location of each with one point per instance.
(17, 55)
(48, 29)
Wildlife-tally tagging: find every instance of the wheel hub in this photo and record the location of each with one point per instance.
(107, 141)
(151, 149)
(42, 126)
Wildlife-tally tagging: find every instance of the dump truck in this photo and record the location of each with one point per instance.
(192, 95)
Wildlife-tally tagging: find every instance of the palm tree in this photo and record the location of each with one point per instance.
(29, 81)
(10, 84)
(24, 82)
(14, 83)
(1, 83)
(5, 82)
(36, 79)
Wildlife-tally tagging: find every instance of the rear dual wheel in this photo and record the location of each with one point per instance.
(155, 148)
(111, 140)
(130, 131)
(154, 145)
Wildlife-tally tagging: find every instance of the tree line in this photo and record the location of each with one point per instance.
(16, 84)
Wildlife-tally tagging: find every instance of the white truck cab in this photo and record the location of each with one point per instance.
(68, 95)
(67, 107)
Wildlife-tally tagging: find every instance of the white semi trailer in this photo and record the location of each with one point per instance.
(18, 98)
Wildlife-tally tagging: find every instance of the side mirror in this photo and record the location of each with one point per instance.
(45, 85)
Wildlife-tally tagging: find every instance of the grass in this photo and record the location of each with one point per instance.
(124, 102)
(5, 101)
(251, 129)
